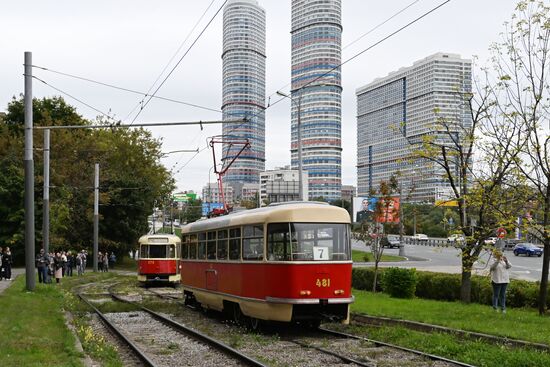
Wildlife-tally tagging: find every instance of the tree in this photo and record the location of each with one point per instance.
(342, 203)
(371, 233)
(521, 63)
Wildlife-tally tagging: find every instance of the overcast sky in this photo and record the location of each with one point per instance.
(128, 43)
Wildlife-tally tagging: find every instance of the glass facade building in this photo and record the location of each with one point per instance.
(316, 94)
(244, 87)
(395, 112)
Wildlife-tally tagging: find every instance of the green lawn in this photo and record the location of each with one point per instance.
(522, 324)
(33, 331)
(359, 256)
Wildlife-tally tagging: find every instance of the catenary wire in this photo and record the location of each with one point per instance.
(172, 58)
(179, 61)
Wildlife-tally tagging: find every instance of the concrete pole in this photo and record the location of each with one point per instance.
(96, 216)
(401, 221)
(30, 280)
(46, 205)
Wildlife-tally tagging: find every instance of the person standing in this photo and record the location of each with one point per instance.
(106, 261)
(100, 262)
(70, 263)
(1, 266)
(112, 260)
(58, 266)
(500, 278)
(6, 263)
(78, 261)
(83, 256)
(42, 263)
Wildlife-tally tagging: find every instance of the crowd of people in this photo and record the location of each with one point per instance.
(5, 263)
(61, 264)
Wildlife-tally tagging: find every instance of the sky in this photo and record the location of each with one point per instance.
(128, 43)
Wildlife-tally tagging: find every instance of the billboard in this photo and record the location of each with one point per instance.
(364, 209)
(184, 197)
(208, 207)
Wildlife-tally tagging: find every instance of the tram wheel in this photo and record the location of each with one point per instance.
(254, 324)
(238, 316)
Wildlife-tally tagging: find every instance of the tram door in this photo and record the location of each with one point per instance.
(212, 279)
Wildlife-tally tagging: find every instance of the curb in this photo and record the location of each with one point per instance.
(86, 360)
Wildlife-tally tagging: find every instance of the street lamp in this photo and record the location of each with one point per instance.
(300, 168)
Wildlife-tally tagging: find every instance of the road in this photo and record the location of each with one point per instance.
(447, 260)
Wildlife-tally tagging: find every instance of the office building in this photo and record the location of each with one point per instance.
(281, 185)
(244, 87)
(395, 112)
(316, 94)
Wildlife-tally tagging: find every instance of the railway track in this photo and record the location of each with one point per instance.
(220, 348)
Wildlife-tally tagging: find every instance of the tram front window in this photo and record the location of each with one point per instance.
(162, 251)
(308, 242)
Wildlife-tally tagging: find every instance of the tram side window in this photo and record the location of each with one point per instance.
(253, 240)
(193, 246)
(222, 245)
(211, 246)
(278, 248)
(202, 246)
(235, 244)
(184, 249)
(144, 252)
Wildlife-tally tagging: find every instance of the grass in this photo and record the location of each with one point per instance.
(362, 256)
(523, 324)
(33, 327)
(127, 263)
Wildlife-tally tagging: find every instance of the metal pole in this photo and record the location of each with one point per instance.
(401, 221)
(96, 216)
(29, 178)
(46, 208)
(300, 168)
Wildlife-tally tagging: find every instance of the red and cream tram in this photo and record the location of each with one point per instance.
(159, 258)
(286, 262)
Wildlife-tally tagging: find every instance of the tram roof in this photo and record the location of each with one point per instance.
(150, 239)
(304, 212)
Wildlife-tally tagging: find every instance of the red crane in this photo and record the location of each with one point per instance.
(230, 141)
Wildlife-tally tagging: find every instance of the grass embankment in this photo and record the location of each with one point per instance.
(33, 328)
(362, 256)
(522, 324)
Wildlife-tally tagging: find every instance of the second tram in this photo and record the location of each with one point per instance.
(159, 259)
(286, 262)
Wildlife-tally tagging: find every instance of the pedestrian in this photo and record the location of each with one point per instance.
(112, 260)
(1, 267)
(500, 278)
(100, 261)
(58, 266)
(51, 267)
(6, 263)
(42, 263)
(64, 263)
(70, 263)
(78, 261)
(105, 260)
(84, 256)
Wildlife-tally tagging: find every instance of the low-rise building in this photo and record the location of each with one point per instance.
(282, 185)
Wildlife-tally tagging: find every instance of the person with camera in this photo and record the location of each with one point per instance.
(500, 278)
(42, 263)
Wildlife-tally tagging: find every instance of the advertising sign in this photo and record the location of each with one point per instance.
(363, 208)
(390, 211)
(184, 197)
(208, 207)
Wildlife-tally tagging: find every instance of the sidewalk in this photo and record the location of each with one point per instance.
(6, 283)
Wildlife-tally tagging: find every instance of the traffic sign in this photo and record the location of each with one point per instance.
(501, 232)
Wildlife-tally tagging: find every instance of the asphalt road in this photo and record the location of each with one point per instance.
(447, 260)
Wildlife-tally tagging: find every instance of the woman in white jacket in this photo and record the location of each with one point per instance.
(500, 278)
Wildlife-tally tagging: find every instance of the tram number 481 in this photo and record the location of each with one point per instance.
(322, 283)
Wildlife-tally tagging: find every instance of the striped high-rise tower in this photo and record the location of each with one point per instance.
(244, 87)
(317, 93)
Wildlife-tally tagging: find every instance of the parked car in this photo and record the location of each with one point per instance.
(491, 241)
(454, 238)
(391, 241)
(526, 248)
(420, 237)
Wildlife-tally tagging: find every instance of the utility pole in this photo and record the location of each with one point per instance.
(401, 220)
(96, 216)
(29, 178)
(46, 205)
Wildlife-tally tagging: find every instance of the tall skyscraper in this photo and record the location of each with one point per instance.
(316, 97)
(395, 112)
(244, 87)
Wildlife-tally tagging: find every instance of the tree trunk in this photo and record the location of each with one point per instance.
(466, 286)
(543, 290)
(375, 277)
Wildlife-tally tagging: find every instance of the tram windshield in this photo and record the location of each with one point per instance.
(308, 242)
(157, 251)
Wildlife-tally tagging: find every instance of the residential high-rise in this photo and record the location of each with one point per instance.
(316, 94)
(244, 87)
(395, 112)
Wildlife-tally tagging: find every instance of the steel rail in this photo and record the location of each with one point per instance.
(195, 334)
(342, 357)
(389, 345)
(140, 354)
(420, 326)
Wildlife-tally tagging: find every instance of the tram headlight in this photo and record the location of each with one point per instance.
(338, 291)
(305, 293)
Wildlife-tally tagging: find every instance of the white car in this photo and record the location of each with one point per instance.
(456, 238)
(420, 237)
(491, 241)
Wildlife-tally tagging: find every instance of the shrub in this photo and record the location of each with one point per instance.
(399, 282)
(439, 286)
(362, 278)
